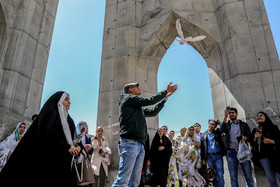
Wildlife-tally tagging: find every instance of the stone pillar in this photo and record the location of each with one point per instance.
(118, 66)
(249, 62)
(26, 28)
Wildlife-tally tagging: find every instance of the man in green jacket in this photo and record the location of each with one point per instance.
(133, 130)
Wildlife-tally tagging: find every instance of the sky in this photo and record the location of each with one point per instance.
(75, 59)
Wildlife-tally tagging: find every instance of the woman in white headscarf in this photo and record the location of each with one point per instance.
(189, 160)
(100, 160)
(8, 145)
(45, 152)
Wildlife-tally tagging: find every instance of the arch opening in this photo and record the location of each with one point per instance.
(210, 52)
(193, 102)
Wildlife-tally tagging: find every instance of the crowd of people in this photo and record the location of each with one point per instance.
(180, 158)
(169, 159)
(193, 149)
(55, 152)
(52, 151)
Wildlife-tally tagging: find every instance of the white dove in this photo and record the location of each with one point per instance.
(187, 39)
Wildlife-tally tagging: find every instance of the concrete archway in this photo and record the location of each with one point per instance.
(210, 49)
(239, 52)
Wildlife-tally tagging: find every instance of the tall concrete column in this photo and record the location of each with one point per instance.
(26, 28)
(249, 64)
(120, 54)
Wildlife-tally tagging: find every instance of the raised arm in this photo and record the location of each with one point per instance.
(139, 101)
(146, 101)
(155, 110)
(223, 127)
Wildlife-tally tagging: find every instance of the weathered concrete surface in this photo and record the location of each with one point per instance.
(26, 28)
(244, 68)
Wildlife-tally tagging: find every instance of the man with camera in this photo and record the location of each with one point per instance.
(236, 131)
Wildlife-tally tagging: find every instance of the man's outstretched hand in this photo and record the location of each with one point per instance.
(170, 89)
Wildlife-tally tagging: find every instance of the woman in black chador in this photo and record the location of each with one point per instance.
(265, 142)
(161, 150)
(43, 156)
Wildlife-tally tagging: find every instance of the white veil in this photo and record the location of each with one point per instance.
(63, 117)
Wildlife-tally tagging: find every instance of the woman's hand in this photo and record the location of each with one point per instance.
(268, 141)
(78, 148)
(87, 147)
(99, 143)
(160, 148)
(74, 150)
(257, 135)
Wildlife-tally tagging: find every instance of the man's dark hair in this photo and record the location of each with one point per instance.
(164, 127)
(234, 109)
(216, 123)
(197, 124)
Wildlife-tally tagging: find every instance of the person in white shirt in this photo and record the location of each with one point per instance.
(197, 128)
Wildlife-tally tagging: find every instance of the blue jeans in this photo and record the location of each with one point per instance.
(233, 169)
(270, 174)
(216, 162)
(131, 161)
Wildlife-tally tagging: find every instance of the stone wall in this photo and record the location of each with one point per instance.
(26, 28)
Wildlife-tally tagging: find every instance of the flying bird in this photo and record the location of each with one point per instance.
(184, 40)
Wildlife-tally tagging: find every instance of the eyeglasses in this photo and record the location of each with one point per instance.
(212, 124)
(132, 86)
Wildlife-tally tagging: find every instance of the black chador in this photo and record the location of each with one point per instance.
(42, 158)
(160, 159)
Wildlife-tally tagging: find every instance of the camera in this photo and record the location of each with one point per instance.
(100, 151)
(228, 108)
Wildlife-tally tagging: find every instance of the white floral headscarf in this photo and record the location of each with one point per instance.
(8, 145)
